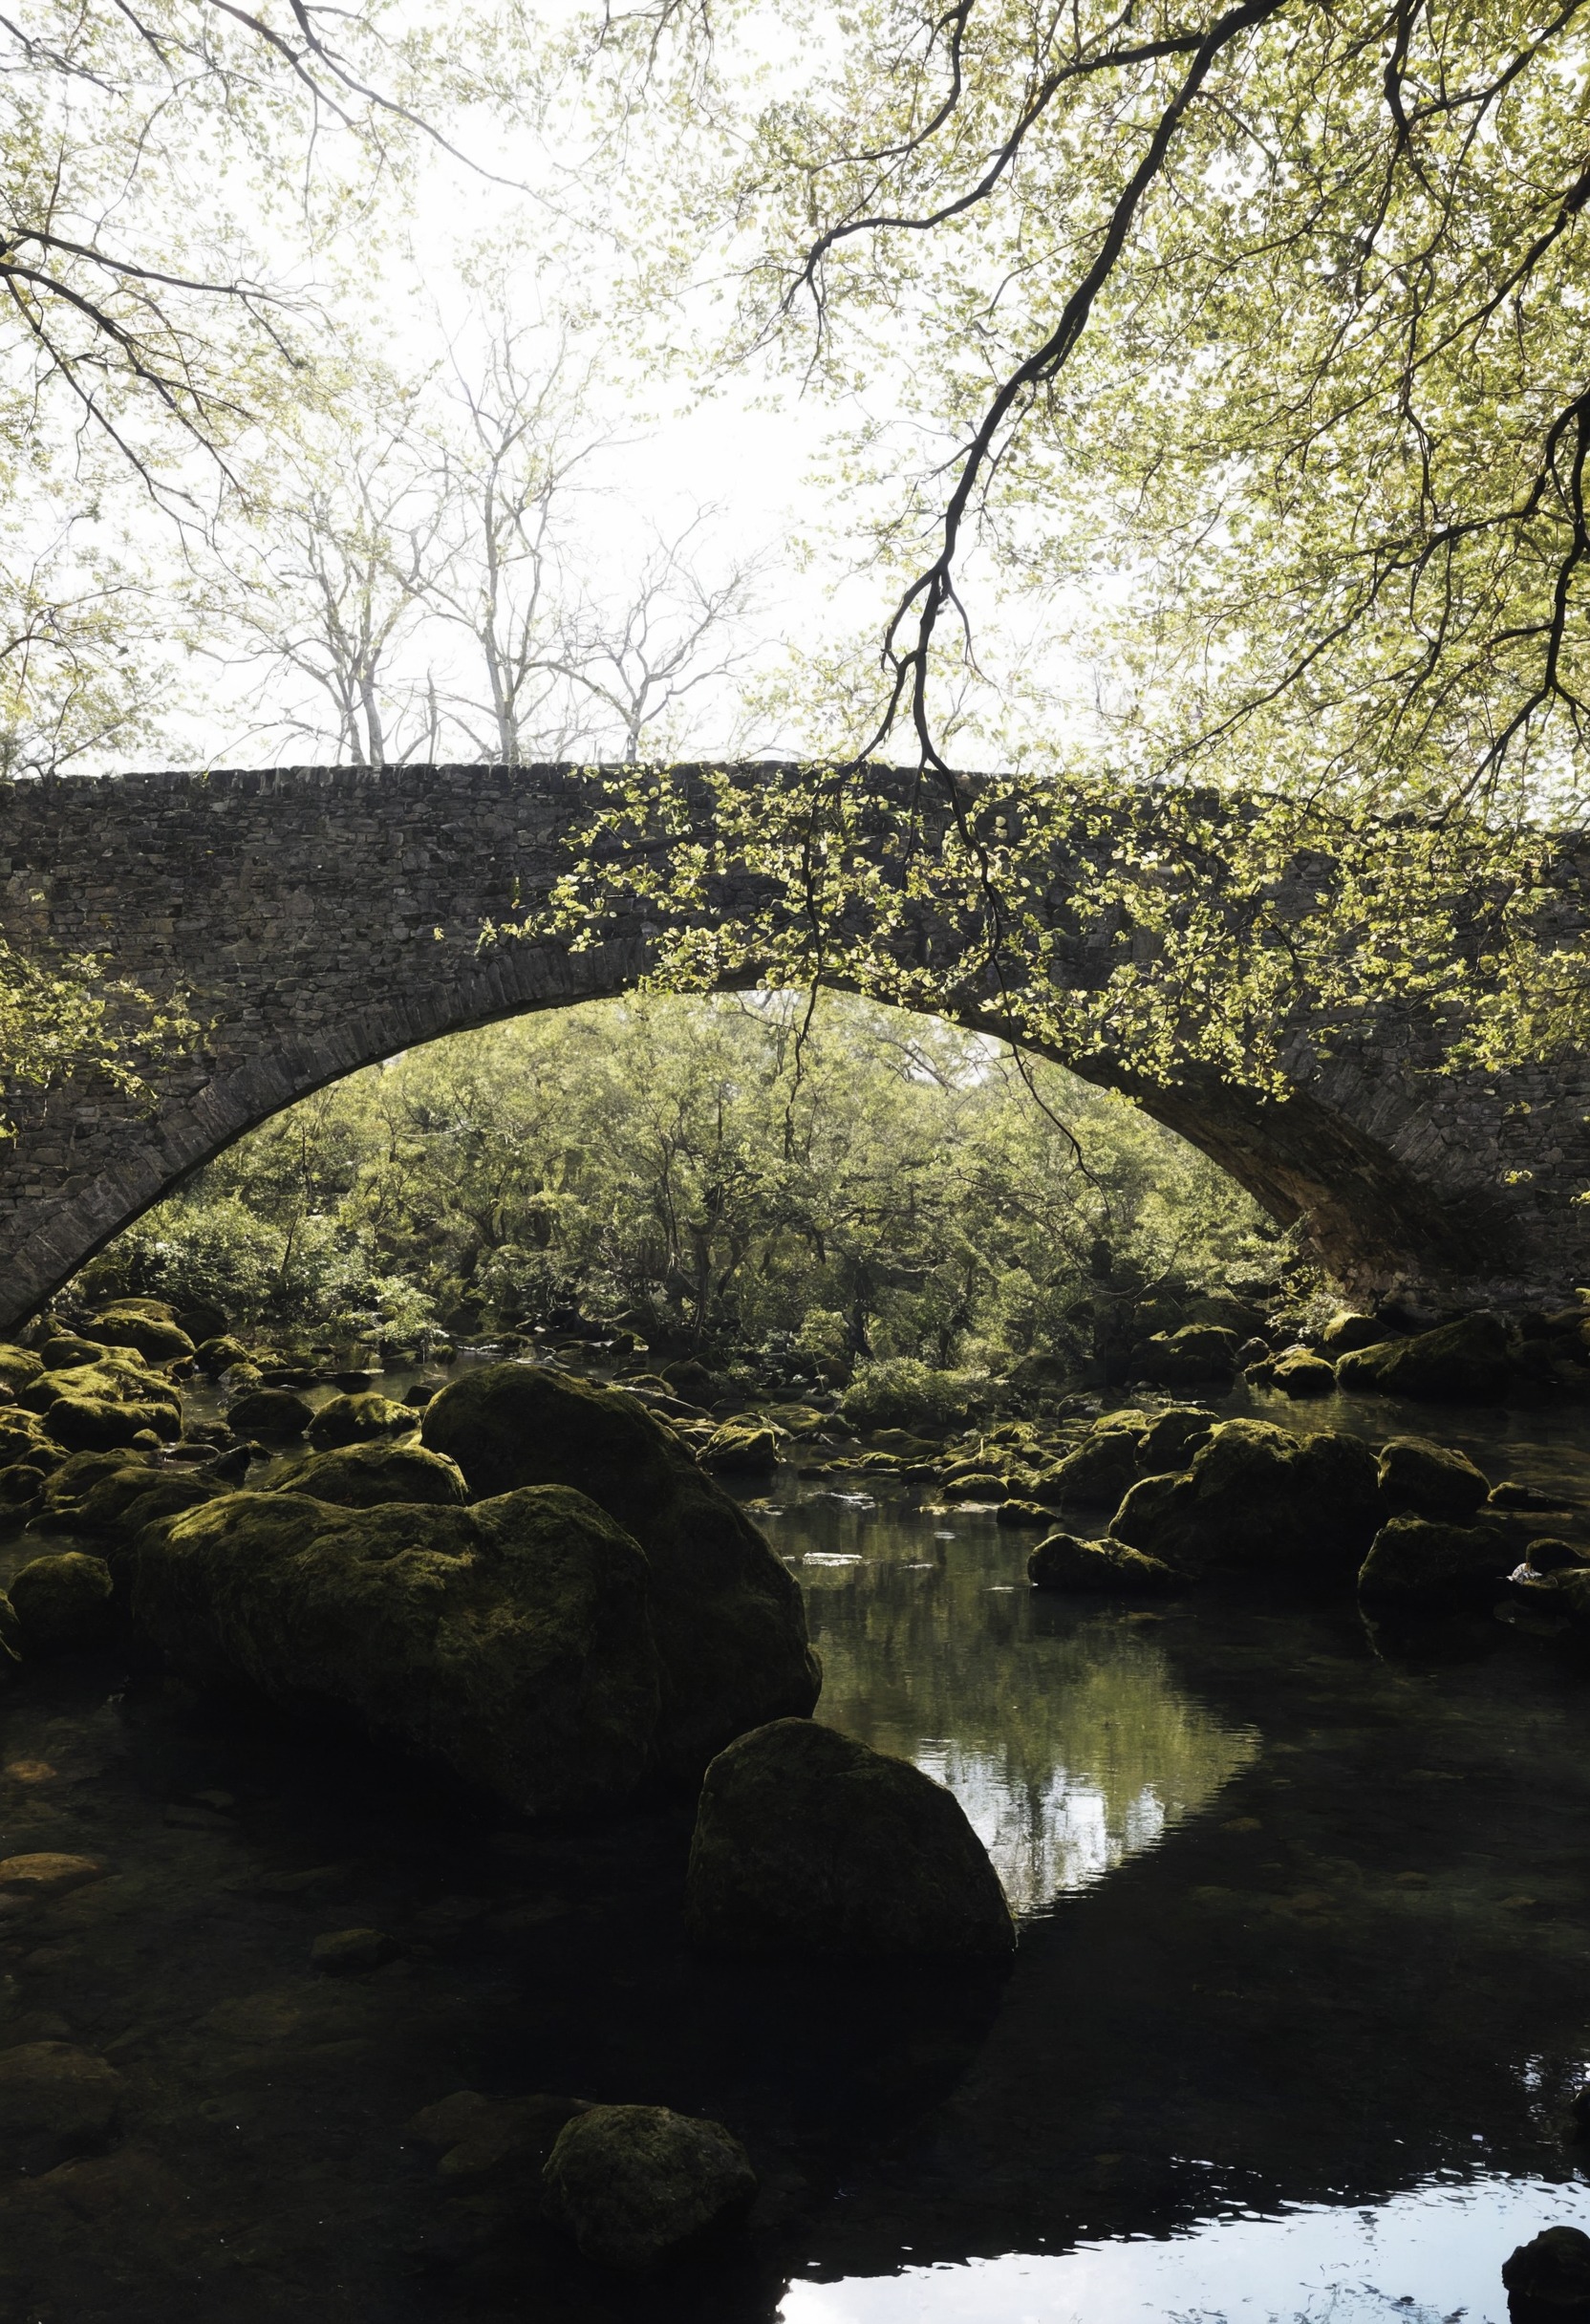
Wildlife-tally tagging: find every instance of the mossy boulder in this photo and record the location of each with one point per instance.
(1068, 1561)
(19, 1366)
(63, 1604)
(638, 2186)
(123, 1381)
(1347, 1332)
(727, 1614)
(809, 1843)
(1097, 1473)
(741, 1448)
(1172, 1436)
(70, 1486)
(23, 1436)
(274, 1415)
(1463, 1362)
(124, 1501)
(352, 1420)
(1300, 1372)
(1421, 1479)
(1255, 1497)
(1415, 1561)
(65, 1349)
(221, 1355)
(511, 1640)
(129, 1324)
(1180, 1359)
(364, 1476)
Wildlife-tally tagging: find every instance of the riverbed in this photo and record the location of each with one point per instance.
(1302, 1987)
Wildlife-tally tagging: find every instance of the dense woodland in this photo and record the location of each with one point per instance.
(897, 1189)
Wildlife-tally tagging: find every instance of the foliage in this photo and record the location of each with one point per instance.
(660, 1161)
(902, 1392)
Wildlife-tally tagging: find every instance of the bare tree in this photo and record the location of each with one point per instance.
(354, 544)
(509, 466)
(676, 635)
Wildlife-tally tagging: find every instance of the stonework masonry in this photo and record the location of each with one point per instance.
(318, 920)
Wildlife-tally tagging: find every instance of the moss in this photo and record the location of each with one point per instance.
(362, 1476)
(1463, 1362)
(739, 1449)
(350, 1420)
(1430, 1481)
(510, 1640)
(158, 1337)
(1066, 1561)
(273, 1414)
(1256, 1497)
(19, 1366)
(727, 1614)
(635, 2185)
(1414, 1562)
(62, 1603)
(123, 1381)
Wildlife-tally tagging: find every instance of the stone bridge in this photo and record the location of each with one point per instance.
(319, 919)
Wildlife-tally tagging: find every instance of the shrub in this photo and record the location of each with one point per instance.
(898, 1392)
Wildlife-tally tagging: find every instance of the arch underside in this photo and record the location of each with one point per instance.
(1376, 1222)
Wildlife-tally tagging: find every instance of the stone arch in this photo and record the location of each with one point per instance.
(323, 919)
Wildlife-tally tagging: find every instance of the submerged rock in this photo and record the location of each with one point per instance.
(479, 2138)
(1259, 1498)
(1416, 1561)
(807, 1841)
(1553, 2270)
(510, 1640)
(55, 2101)
(726, 1613)
(1421, 1479)
(1461, 1362)
(1067, 1561)
(364, 1476)
(62, 1603)
(636, 2185)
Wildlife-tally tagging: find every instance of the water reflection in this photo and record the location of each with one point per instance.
(1062, 1730)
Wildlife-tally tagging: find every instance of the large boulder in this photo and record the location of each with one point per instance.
(740, 1448)
(1552, 2274)
(635, 2185)
(511, 1640)
(362, 1476)
(1259, 1498)
(62, 1603)
(1463, 1362)
(1182, 1358)
(275, 1415)
(1414, 1562)
(1097, 1473)
(1300, 1372)
(130, 1323)
(727, 1615)
(1067, 1561)
(19, 1366)
(146, 1399)
(355, 1419)
(1421, 1479)
(1172, 1436)
(807, 1841)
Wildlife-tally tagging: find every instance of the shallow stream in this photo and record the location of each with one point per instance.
(1303, 1983)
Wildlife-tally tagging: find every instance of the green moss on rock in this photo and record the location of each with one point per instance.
(1068, 1561)
(728, 1617)
(637, 2185)
(1413, 1561)
(364, 1476)
(1256, 1497)
(510, 1640)
(62, 1603)
(351, 1420)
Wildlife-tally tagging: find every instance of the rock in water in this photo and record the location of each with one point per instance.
(1463, 1362)
(1414, 1562)
(510, 1640)
(1554, 2270)
(1066, 1561)
(1180, 1359)
(274, 1415)
(130, 1323)
(55, 2101)
(1259, 1498)
(727, 1615)
(362, 1476)
(807, 1841)
(352, 1420)
(1424, 1481)
(63, 1604)
(1300, 1372)
(741, 1448)
(635, 2185)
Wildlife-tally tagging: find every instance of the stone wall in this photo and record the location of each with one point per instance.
(319, 919)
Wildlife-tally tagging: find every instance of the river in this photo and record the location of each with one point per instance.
(1303, 1980)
